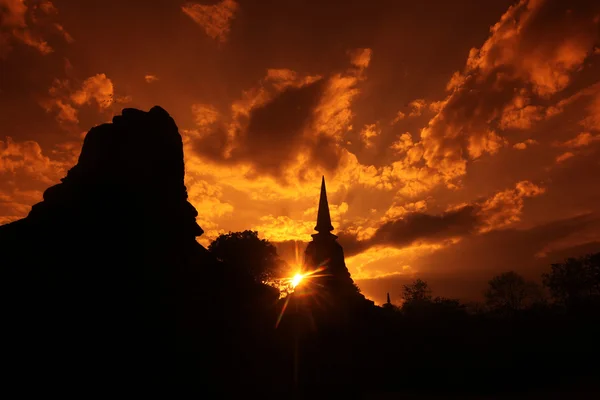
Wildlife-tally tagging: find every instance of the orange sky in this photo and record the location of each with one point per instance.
(458, 139)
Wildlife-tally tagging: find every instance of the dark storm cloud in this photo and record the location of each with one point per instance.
(501, 250)
(417, 225)
(463, 269)
(414, 227)
(483, 215)
(289, 124)
(269, 135)
(324, 152)
(275, 133)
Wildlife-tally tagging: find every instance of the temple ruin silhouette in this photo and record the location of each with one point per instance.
(325, 253)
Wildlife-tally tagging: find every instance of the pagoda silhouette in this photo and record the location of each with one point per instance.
(333, 282)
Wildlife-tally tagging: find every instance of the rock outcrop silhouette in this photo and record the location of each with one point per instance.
(106, 272)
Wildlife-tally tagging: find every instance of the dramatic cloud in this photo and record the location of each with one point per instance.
(25, 171)
(98, 88)
(214, 19)
(403, 144)
(408, 224)
(514, 246)
(399, 116)
(368, 134)
(65, 101)
(415, 227)
(592, 121)
(16, 204)
(66, 35)
(282, 228)
(576, 145)
(398, 211)
(209, 199)
(523, 145)
(417, 107)
(150, 78)
(288, 126)
(506, 207)
(361, 58)
(538, 42)
(489, 143)
(564, 156)
(276, 130)
(592, 91)
(27, 158)
(27, 23)
(531, 52)
(205, 115)
(581, 140)
(292, 127)
(519, 114)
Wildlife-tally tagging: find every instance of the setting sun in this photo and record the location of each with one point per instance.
(296, 280)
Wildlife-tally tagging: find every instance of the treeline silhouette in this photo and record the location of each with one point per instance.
(522, 336)
(104, 284)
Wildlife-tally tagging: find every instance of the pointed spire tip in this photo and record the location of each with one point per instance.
(323, 216)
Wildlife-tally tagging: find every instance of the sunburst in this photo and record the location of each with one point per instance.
(306, 281)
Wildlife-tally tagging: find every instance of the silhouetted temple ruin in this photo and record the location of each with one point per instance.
(324, 252)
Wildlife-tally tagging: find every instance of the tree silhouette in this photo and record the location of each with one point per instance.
(418, 291)
(249, 254)
(417, 299)
(574, 280)
(418, 302)
(448, 305)
(509, 291)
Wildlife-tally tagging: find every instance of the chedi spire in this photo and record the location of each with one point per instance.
(323, 216)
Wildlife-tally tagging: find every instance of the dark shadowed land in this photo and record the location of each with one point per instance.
(104, 284)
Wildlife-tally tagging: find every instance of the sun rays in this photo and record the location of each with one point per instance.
(307, 282)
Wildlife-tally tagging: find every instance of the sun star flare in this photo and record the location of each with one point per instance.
(297, 279)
